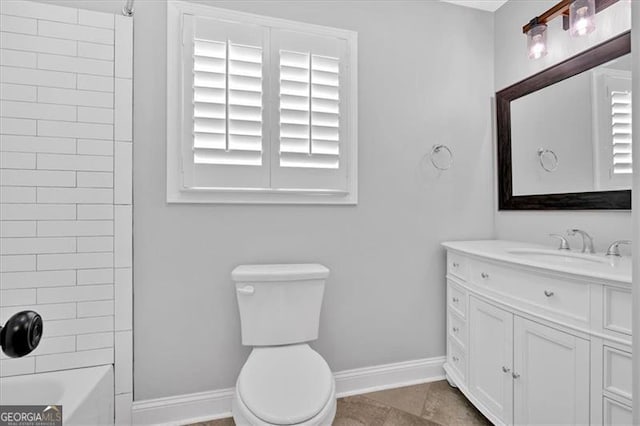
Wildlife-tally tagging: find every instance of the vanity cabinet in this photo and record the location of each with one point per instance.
(531, 345)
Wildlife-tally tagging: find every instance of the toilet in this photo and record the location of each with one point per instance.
(284, 381)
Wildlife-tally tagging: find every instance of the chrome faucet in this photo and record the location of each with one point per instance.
(614, 248)
(587, 240)
(564, 244)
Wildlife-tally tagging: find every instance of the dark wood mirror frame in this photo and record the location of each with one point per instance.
(597, 200)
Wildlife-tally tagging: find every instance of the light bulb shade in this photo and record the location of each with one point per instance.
(537, 41)
(582, 17)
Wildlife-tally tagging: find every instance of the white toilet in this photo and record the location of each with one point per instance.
(284, 381)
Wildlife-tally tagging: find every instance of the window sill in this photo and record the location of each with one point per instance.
(261, 196)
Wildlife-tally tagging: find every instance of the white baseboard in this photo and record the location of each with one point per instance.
(197, 407)
(183, 409)
(388, 376)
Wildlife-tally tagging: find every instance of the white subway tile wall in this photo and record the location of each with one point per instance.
(66, 186)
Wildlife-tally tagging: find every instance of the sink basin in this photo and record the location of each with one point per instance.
(559, 256)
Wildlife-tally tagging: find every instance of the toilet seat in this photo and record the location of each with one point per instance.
(285, 385)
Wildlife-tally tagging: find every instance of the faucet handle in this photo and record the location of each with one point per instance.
(614, 248)
(564, 244)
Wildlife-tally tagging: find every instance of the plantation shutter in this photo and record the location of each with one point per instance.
(309, 110)
(224, 141)
(621, 132)
(311, 126)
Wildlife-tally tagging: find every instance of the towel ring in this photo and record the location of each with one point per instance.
(437, 149)
(552, 155)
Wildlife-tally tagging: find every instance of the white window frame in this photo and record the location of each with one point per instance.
(176, 192)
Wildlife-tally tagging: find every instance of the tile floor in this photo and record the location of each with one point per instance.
(434, 403)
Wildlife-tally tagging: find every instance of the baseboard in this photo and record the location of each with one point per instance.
(183, 409)
(198, 407)
(388, 376)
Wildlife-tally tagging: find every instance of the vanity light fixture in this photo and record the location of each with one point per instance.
(582, 17)
(578, 16)
(537, 39)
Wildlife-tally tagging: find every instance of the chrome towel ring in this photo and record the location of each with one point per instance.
(553, 159)
(445, 163)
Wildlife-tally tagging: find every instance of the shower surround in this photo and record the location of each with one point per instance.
(66, 187)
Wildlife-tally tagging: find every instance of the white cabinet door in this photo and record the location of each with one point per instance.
(490, 358)
(551, 375)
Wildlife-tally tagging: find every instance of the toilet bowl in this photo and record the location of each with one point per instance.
(286, 385)
(284, 381)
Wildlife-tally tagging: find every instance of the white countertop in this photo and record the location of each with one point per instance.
(613, 268)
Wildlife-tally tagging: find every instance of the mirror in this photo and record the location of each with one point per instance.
(587, 133)
(564, 134)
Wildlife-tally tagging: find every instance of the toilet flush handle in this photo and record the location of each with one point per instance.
(248, 289)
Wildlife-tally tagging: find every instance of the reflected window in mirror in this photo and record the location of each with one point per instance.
(612, 125)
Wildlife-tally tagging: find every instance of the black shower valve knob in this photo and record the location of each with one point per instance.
(21, 334)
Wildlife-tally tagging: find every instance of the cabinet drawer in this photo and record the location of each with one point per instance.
(617, 372)
(617, 310)
(457, 359)
(457, 265)
(616, 414)
(561, 298)
(457, 299)
(457, 329)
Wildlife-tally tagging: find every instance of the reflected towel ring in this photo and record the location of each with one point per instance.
(542, 152)
(127, 9)
(437, 149)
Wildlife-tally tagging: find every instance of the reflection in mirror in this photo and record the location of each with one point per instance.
(575, 135)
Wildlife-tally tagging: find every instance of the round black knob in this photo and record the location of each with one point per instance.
(21, 334)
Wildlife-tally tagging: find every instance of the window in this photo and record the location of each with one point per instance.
(259, 110)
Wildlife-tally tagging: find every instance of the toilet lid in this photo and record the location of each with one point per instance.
(285, 385)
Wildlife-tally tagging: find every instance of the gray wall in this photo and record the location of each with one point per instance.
(385, 299)
(513, 65)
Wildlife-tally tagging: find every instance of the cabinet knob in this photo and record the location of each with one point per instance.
(505, 369)
(548, 293)
(484, 275)
(515, 375)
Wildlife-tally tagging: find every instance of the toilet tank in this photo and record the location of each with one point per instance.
(279, 304)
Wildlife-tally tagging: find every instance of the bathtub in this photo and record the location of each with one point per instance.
(86, 394)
